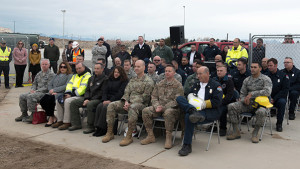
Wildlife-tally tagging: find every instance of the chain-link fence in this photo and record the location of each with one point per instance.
(275, 46)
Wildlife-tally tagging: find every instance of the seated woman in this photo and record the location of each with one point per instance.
(56, 88)
(113, 91)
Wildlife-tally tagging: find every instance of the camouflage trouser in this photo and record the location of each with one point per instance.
(170, 115)
(28, 101)
(117, 107)
(235, 109)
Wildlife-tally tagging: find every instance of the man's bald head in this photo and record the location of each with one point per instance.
(139, 67)
(203, 74)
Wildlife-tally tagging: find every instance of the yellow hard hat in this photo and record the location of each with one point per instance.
(262, 101)
(195, 101)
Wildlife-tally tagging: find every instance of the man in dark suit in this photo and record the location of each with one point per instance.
(141, 50)
(193, 54)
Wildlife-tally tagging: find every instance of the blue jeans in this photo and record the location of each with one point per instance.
(293, 98)
(280, 105)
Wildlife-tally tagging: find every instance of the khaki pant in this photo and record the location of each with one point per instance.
(63, 112)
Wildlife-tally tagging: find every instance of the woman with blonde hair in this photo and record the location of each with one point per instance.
(35, 58)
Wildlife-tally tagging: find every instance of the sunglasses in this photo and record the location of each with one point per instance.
(156, 60)
(65, 67)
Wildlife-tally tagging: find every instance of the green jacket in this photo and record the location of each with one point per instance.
(163, 52)
(51, 53)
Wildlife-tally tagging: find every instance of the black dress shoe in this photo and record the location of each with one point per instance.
(99, 133)
(7, 87)
(279, 127)
(292, 116)
(48, 125)
(185, 150)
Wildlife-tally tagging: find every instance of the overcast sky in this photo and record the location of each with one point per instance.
(126, 19)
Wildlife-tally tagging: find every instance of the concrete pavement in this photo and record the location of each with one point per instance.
(280, 151)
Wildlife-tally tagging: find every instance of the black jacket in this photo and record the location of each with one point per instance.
(281, 85)
(160, 69)
(239, 78)
(144, 52)
(187, 69)
(114, 89)
(123, 56)
(182, 74)
(177, 55)
(94, 88)
(213, 95)
(210, 52)
(294, 76)
(108, 50)
(228, 89)
(196, 56)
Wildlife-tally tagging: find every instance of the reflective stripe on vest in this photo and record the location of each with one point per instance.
(75, 54)
(4, 56)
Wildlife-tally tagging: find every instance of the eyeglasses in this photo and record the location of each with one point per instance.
(65, 67)
(20, 43)
(156, 60)
(287, 62)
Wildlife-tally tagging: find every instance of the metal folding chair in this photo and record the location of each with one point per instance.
(252, 116)
(161, 119)
(216, 122)
(124, 119)
(83, 114)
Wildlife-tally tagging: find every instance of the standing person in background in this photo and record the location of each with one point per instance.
(163, 51)
(35, 58)
(108, 49)
(51, 52)
(141, 50)
(123, 54)
(76, 51)
(67, 51)
(211, 50)
(116, 49)
(5, 59)
(99, 51)
(259, 51)
(193, 54)
(224, 53)
(177, 54)
(20, 62)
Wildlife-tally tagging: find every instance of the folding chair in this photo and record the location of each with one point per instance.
(215, 122)
(161, 119)
(124, 119)
(83, 114)
(252, 115)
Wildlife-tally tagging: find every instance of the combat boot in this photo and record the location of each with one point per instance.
(29, 118)
(150, 137)
(168, 143)
(109, 134)
(24, 115)
(254, 138)
(128, 139)
(235, 134)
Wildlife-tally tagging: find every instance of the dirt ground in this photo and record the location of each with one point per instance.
(17, 153)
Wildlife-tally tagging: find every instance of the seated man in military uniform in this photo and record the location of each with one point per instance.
(254, 86)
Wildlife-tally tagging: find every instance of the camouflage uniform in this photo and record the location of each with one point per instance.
(162, 77)
(154, 77)
(164, 94)
(28, 101)
(114, 51)
(137, 93)
(190, 81)
(131, 74)
(261, 86)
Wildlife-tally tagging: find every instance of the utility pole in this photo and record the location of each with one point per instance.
(14, 26)
(63, 11)
(184, 22)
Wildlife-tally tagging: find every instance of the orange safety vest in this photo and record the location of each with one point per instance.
(75, 54)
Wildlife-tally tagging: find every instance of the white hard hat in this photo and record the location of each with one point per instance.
(75, 44)
(195, 101)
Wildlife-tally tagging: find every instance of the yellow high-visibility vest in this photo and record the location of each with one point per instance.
(4, 56)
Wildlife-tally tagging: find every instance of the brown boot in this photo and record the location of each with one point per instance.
(65, 126)
(235, 134)
(168, 143)
(254, 138)
(57, 124)
(150, 138)
(128, 139)
(109, 134)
